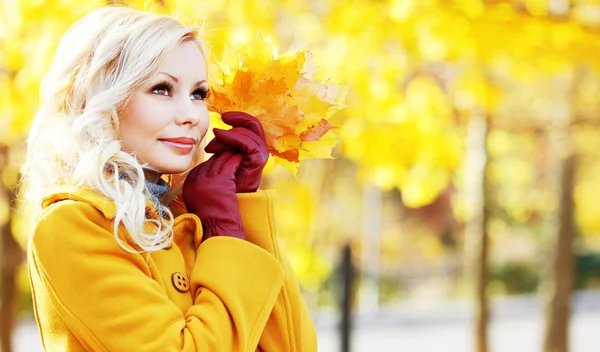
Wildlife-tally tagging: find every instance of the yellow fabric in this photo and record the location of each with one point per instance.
(290, 327)
(90, 294)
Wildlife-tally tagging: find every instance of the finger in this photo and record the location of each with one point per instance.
(240, 138)
(216, 146)
(231, 166)
(197, 171)
(202, 168)
(219, 160)
(242, 119)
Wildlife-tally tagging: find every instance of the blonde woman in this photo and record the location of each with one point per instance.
(114, 268)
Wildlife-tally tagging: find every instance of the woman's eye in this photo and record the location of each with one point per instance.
(162, 89)
(200, 94)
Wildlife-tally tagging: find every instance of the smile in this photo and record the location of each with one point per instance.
(181, 145)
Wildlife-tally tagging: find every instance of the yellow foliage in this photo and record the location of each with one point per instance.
(586, 199)
(537, 7)
(310, 267)
(297, 209)
(422, 186)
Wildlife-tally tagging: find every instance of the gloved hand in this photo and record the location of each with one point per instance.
(209, 192)
(247, 137)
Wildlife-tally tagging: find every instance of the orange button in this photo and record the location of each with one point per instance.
(180, 282)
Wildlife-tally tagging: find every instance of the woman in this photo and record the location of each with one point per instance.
(112, 268)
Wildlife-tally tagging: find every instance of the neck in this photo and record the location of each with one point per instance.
(152, 176)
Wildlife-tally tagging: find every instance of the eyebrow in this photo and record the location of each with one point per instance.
(177, 80)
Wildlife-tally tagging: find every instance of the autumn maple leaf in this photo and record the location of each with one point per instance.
(280, 93)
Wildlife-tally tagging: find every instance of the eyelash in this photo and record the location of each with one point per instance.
(168, 87)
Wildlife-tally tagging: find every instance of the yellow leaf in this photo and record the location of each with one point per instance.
(289, 165)
(319, 149)
(288, 142)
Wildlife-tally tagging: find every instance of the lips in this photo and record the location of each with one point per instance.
(180, 144)
(179, 140)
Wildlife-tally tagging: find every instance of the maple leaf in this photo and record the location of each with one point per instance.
(314, 133)
(278, 91)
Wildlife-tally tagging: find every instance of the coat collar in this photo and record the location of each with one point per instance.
(184, 224)
(104, 204)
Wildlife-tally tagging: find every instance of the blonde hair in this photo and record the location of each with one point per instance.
(100, 61)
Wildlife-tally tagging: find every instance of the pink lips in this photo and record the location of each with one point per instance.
(180, 144)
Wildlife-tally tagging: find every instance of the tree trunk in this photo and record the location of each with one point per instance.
(347, 279)
(476, 237)
(561, 171)
(10, 258)
(560, 282)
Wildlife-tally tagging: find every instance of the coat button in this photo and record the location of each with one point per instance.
(180, 282)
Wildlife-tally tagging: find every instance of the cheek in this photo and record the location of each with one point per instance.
(131, 141)
(142, 119)
(204, 124)
(139, 124)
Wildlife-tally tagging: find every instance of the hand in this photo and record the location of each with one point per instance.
(247, 137)
(209, 192)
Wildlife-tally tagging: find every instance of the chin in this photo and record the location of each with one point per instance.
(175, 167)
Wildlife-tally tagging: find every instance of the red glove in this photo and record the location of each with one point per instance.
(209, 192)
(247, 137)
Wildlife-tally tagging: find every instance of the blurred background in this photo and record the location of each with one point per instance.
(464, 190)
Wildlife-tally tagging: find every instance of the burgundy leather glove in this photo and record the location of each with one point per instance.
(209, 192)
(247, 137)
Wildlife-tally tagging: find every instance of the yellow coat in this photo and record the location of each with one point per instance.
(224, 294)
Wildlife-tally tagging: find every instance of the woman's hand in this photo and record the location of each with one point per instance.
(209, 192)
(247, 137)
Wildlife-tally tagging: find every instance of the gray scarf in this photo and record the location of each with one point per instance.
(157, 191)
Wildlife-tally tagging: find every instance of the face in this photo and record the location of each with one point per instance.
(165, 120)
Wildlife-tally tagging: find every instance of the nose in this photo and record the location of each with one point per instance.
(190, 112)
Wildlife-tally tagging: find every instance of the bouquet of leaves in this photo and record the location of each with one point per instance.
(280, 91)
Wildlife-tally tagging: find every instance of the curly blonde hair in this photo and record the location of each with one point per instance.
(100, 61)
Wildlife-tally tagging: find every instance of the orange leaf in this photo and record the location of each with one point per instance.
(315, 133)
(290, 155)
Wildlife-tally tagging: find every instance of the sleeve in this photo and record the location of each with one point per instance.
(290, 327)
(108, 299)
